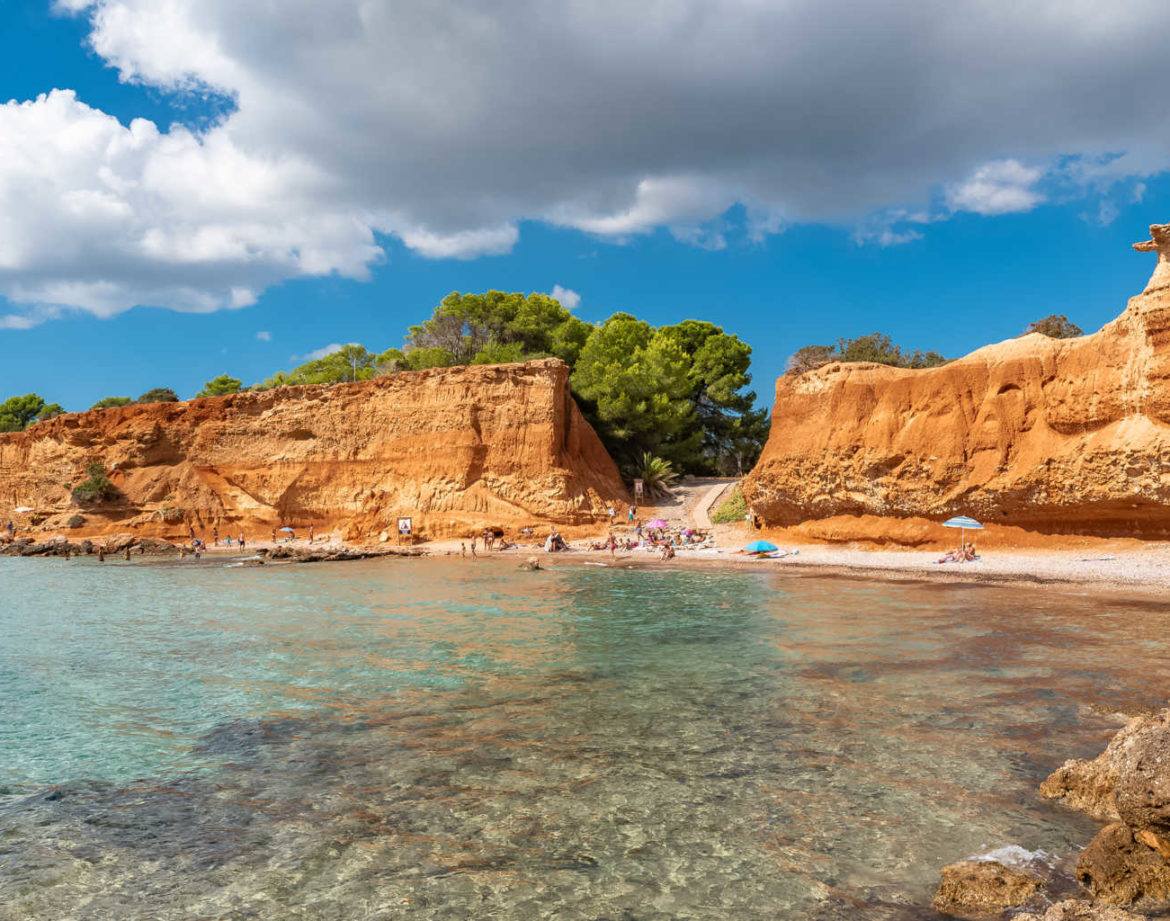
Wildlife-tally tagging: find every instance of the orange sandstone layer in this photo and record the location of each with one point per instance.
(456, 449)
(1059, 436)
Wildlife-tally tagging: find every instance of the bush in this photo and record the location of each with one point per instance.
(657, 475)
(98, 488)
(170, 514)
(75, 521)
(733, 508)
(159, 395)
(877, 348)
(111, 402)
(1055, 326)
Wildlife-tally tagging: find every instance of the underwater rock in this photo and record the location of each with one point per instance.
(980, 889)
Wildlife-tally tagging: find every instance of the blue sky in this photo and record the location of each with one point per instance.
(315, 219)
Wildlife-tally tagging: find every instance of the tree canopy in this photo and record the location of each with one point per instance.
(220, 386)
(351, 362)
(1056, 326)
(18, 413)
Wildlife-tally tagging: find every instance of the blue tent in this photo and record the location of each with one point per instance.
(760, 546)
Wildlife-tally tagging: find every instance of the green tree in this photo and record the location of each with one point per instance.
(809, 358)
(18, 413)
(495, 353)
(351, 362)
(220, 386)
(110, 402)
(657, 474)
(1056, 326)
(733, 430)
(465, 325)
(159, 395)
(636, 387)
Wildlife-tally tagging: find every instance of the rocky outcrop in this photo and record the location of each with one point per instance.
(980, 889)
(453, 448)
(1076, 910)
(1063, 436)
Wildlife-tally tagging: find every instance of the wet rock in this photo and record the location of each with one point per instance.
(1119, 869)
(1143, 788)
(334, 554)
(1076, 910)
(1089, 785)
(980, 889)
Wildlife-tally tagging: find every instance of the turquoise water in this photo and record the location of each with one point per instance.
(444, 739)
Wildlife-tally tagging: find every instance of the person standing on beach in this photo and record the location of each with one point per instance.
(311, 533)
(101, 555)
(630, 516)
(473, 553)
(11, 528)
(274, 535)
(463, 549)
(241, 540)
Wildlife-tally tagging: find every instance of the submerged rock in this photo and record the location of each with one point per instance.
(980, 889)
(1076, 910)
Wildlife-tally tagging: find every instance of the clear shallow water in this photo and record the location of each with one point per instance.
(434, 739)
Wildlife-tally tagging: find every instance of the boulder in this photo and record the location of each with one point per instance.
(1143, 788)
(1090, 785)
(1118, 869)
(980, 889)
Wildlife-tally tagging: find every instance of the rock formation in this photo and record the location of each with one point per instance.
(1064, 436)
(977, 889)
(453, 448)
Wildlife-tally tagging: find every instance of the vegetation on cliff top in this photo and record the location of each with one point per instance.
(1055, 326)
(876, 347)
(18, 413)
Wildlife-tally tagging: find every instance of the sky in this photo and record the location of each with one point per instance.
(197, 187)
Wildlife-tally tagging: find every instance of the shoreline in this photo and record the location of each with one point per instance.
(1142, 573)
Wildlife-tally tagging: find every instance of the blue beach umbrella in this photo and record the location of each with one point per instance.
(290, 530)
(964, 524)
(760, 546)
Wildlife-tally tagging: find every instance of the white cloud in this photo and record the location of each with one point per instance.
(998, 187)
(264, 335)
(567, 296)
(321, 352)
(611, 118)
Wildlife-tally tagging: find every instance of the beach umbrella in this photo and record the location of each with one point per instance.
(290, 530)
(760, 546)
(964, 524)
(657, 523)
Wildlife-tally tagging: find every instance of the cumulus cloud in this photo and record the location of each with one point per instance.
(569, 298)
(999, 187)
(612, 118)
(322, 352)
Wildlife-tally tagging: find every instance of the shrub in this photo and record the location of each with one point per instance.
(111, 402)
(732, 509)
(657, 475)
(170, 514)
(1055, 326)
(98, 488)
(877, 348)
(159, 395)
(75, 521)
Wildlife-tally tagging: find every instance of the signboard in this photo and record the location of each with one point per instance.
(637, 489)
(404, 527)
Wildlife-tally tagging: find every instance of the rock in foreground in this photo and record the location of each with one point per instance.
(981, 889)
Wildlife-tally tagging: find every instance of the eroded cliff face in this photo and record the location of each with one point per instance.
(1066, 436)
(454, 448)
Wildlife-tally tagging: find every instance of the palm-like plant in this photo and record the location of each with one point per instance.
(657, 475)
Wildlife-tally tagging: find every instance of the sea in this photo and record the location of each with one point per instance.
(459, 739)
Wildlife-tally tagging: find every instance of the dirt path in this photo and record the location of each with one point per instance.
(701, 516)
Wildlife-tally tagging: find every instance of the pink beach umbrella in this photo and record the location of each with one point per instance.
(657, 523)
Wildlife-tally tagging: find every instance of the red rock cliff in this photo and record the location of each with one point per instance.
(455, 448)
(1068, 436)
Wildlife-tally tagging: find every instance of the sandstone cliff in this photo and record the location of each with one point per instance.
(1066, 436)
(454, 448)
